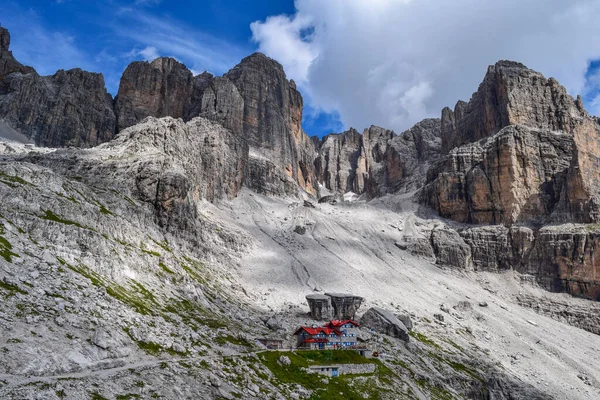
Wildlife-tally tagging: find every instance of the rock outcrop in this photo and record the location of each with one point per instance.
(320, 306)
(344, 305)
(511, 94)
(517, 175)
(165, 163)
(384, 321)
(8, 64)
(69, 108)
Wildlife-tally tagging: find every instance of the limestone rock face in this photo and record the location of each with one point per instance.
(377, 161)
(165, 163)
(69, 108)
(337, 162)
(272, 119)
(561, 258)
(540, 141)
(384, 321)
(450, 249)
(510, 94)
(517, 175)
(564, 260)
(159, 89)
(408, 158)
(221, 102)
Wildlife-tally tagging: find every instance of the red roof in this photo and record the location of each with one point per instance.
(337, 324)
(315, 331)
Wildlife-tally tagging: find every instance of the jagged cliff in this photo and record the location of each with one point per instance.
(69, 108)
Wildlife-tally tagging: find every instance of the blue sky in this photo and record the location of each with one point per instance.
(105, 36)
(389, 63)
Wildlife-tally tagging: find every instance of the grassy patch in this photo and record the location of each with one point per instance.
(105, 211)
(152, 253)
(50, 216)
(128, 396)
(140, 299)
(340, 387)
(222, 340)
(194, 269)
(11, 288)
(6, 250)
(165, 268)
(164, 245)
(152, 348)
(97, 396)
(70, 198)
(423, 339)
(11, 180)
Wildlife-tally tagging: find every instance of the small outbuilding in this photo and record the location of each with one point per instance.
(271, 343)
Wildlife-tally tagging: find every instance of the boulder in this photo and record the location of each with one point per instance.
(344, 305)
(384, 321)
(320, 306)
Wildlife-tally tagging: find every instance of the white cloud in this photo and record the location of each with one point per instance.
(149, 53)
(162, 36)
(393, 62)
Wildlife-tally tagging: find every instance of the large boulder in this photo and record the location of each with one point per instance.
(344, 305)
(320, 306)
(384, 321)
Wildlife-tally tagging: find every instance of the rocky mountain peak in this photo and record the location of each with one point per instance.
(260, 61)
(4, 39)
(8, 64)
(159, 89)
(510, 94)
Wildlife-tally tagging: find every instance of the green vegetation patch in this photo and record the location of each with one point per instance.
(137, 297)
(193, 314)
(11, 288)
(128, 396)
(165, 268)
(423, 339)
(105, 211)
(195, 270)
(6, 247)
(50, 216)
(11, 180)
(224, 339)
(345, 387)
